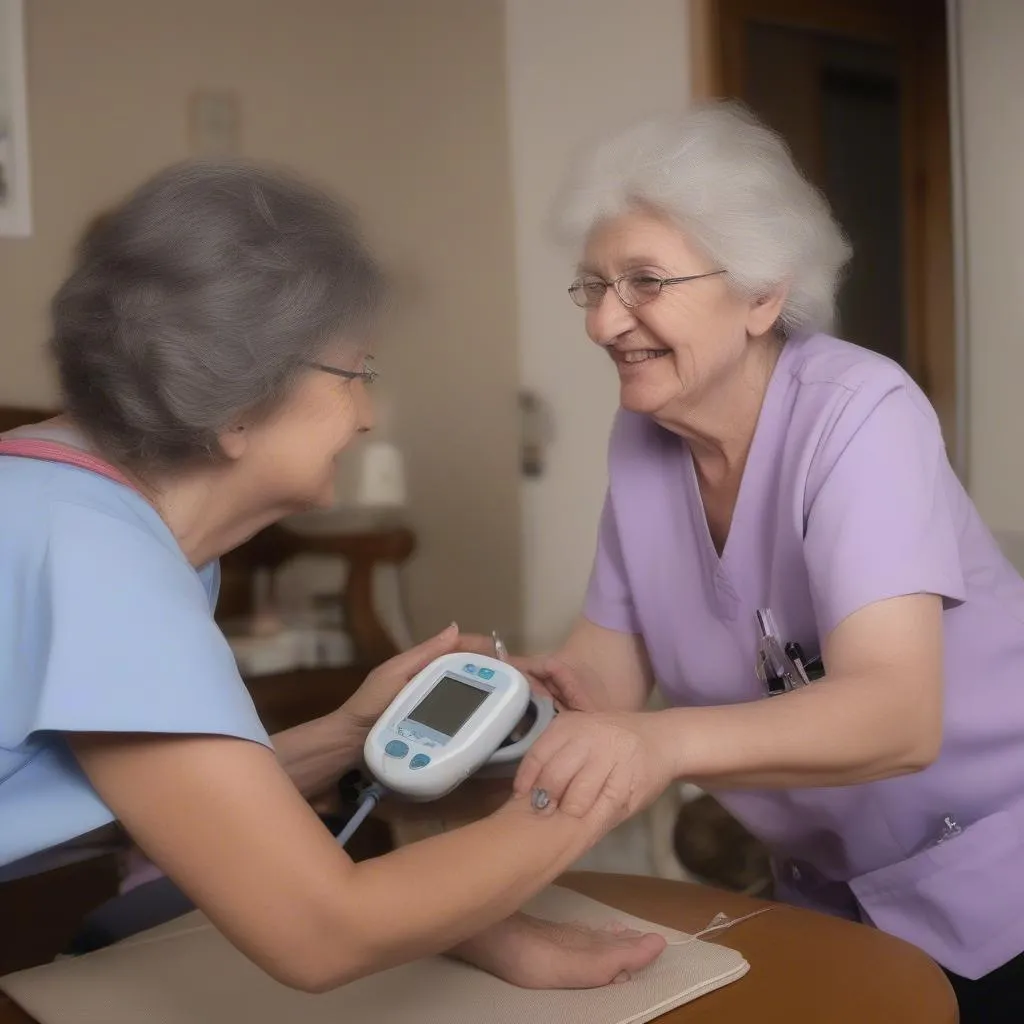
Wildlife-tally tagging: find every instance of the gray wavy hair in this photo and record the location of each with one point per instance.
(731, 185)
(199, 298)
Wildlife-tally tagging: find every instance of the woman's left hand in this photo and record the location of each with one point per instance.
(532, 953)
(385, 682)
(316, 753)
(582, 755)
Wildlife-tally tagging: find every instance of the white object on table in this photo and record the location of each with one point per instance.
(446, 722)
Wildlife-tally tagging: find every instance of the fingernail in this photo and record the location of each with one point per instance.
(452, 627)
(621, 977)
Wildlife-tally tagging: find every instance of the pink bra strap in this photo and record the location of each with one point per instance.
(51, 451)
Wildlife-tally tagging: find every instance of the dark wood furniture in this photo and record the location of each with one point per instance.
(805, 968)
(12, 416)
(288, 698)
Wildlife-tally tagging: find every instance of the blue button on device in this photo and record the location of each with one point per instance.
(396, 748)
(485, 673)
(419, 761)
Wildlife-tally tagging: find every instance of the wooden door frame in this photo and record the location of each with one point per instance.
(934, 347)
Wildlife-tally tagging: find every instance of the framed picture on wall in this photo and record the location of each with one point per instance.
(15, 186)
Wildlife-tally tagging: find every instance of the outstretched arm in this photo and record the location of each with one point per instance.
(876, 714)
(223, 819)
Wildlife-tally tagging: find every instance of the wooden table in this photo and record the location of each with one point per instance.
(804, 968)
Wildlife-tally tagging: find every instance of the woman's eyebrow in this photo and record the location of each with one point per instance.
(639, 261)
(631, 263)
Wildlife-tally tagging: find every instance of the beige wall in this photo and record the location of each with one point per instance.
(992, 98)
(398, 105)
(575, 68)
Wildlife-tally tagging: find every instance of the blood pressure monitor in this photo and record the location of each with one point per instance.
(463, 712)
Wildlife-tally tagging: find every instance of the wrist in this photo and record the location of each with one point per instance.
(480, 948)
(347, 730)
(355, 716)
(566, 836)
(665, 735)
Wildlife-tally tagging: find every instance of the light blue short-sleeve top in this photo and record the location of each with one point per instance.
(104, 627)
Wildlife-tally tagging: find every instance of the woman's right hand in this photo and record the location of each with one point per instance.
(572, 686)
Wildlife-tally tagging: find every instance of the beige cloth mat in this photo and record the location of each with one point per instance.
(186, 973)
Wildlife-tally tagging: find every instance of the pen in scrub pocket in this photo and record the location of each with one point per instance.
(795, 654)
(774, 666)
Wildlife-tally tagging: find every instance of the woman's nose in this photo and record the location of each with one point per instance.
(609, 319)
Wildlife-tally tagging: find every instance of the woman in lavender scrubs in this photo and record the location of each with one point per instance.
(758, 462)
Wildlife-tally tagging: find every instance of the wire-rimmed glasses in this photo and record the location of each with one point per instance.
(368, 374)
(633, 288)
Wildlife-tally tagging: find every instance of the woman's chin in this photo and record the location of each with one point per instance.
(321, 499)
(647, 398)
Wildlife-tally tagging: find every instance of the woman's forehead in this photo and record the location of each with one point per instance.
(632, 240)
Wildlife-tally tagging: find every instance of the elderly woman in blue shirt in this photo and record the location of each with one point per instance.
(210, 342)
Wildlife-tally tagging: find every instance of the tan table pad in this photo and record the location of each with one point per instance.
(186, 973)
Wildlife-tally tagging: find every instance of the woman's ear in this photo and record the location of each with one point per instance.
(765, 310)
(234, 440)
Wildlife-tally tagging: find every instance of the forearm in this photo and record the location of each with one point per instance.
(317, 753)
(478, 875)
(836, 733)
(222, 818)
(615, 667)
(474, 799)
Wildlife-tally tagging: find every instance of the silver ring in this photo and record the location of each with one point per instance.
(539, 799)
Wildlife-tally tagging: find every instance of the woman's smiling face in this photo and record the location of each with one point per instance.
(672, 349)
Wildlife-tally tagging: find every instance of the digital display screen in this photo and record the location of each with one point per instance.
(447, 707)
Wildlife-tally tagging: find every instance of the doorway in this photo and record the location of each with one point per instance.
(859, 90)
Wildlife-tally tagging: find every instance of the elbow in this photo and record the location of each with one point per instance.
(315, 975)
(923, 755)
(321, 961)
(314, 984)
(921, 751)
(918, 742)
(300, 980)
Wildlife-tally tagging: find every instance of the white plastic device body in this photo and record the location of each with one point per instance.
(450, 720)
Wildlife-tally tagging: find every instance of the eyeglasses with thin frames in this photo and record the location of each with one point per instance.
(634, 288)
(367, 375)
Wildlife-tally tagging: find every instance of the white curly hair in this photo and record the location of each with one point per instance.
(730, 184)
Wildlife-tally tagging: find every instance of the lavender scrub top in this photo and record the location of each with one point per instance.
(848, 498)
